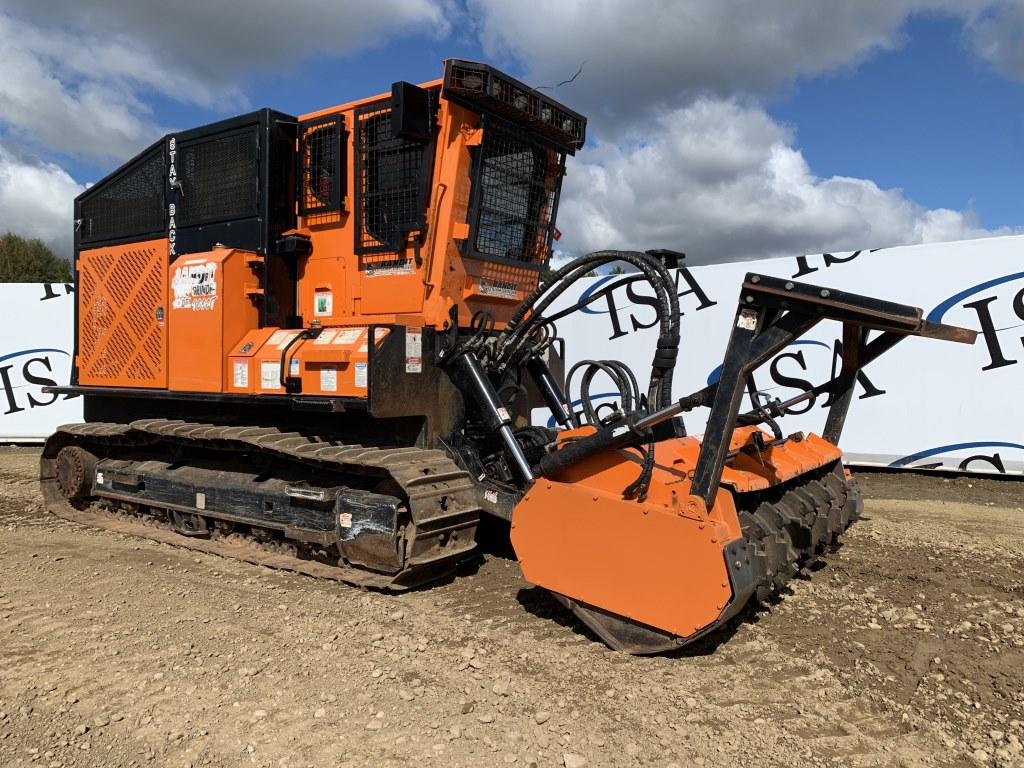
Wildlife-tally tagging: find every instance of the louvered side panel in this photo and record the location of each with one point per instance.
(122, 331)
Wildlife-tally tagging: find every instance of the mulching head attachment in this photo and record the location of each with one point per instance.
(717, 520)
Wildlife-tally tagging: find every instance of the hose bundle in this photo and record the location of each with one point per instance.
(529, 317)
(529, 327)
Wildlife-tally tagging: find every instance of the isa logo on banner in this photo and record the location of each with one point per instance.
(36, 352)
(996, 308)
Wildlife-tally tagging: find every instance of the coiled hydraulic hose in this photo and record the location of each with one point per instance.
(518, 330)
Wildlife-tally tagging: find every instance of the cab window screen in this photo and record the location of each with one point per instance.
(323, 166)
(392, 184)
(517, 184)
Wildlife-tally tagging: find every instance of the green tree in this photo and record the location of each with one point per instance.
(30, 261)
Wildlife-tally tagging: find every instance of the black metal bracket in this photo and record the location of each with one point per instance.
(774, 312)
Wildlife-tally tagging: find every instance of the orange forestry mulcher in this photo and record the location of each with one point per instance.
(315, 343)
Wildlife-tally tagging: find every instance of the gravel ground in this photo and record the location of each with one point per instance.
(904, 648)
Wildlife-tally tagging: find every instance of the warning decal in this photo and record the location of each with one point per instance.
(328, 379)
(323, 303)
(240, 378)
(413, 350)
(195, 286)
(270, 374)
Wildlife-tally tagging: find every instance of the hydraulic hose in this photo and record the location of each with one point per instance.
(519, 327)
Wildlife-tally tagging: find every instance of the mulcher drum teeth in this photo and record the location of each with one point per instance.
(425, 477)
(799, 521)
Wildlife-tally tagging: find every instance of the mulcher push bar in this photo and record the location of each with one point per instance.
(771, 314)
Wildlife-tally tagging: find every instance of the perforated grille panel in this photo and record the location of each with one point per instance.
(122, 301)
(219, 177)
(392, 183)
(517, 184)
(128, 205)
(322, 158)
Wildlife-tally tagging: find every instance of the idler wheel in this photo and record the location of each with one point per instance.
(75, 469)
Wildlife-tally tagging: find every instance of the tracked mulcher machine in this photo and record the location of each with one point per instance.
(315, 343)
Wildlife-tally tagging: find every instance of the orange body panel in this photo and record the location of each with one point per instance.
(243, 373)
(267, 363)
(661, 561)
(334, 364)
(393, 287)
(122, 302)
(210, 310)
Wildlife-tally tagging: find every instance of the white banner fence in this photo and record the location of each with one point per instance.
(925, 404)
(36, 345)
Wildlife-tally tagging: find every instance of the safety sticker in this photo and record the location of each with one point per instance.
(329, 379)
(503, 413)
(498, 289)
(491, 495)
(323, 303)
(348, 336)
(361, 375)
(326, 337)
(747, 320)
(276, 338)
(293, 367)
(344, 519)
(240, 377)
(288, 336)
(270, 374)
(413, 350)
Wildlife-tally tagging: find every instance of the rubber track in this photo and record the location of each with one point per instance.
(425, 476)
(796, 524)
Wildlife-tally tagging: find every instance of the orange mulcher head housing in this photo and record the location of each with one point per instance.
(654, 538)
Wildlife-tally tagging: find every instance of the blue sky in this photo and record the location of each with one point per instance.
(724, 128)
(929, 117)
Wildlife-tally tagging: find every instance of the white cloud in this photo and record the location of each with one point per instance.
(214, 43)
(721, 180)
(661, 53)
(90, 117)
(76, 80)
(998, 38)
(681, 154)
(36, 200)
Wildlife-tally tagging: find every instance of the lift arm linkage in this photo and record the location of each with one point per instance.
(771, 314)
